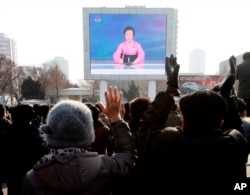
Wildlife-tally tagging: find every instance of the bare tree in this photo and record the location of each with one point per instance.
(51, 78)
(25, 72)
(9, 73)
(43, 78)
(57, 80)
(33, 72)
(143, 87)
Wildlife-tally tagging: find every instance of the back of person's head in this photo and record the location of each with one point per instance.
(96, 114)
(2, 111)
(35, 106)
(246, 56)
(43, 110)
(203, 110)
(94, 110)
(22, 114)
(137, 107)
(242, 106)
(103, 116)
(174, 107)
(126, 116)
(69, 124)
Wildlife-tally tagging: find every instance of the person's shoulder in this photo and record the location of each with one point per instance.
(246, 119)
(173, 134)
(172, 130)
(5, 121)
(245, 63)
(102, 130)
(122, 43)
(136, 43)
(170, 139)
(236, 135)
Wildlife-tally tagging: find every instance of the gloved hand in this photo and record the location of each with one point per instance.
(232, 62)
(226, 89)
(172, 73)
(226, 85)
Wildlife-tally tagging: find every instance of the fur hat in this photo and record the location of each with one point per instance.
(69, 124)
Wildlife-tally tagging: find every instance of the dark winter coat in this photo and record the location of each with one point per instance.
(86, 173)
(177, 161)
(24, 146)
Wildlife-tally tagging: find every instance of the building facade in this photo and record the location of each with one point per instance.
(62, 64)
(78, 94)
(197, 61)
(8, 47)
(224, 66)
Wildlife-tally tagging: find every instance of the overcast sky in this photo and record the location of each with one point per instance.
(44, 29)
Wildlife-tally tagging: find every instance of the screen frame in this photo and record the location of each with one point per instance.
(170, 44)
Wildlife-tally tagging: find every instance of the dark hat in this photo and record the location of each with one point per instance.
(203, 108)
(69, 124)
(246, 55)
(22, 114)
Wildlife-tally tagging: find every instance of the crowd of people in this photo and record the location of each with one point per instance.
(199, 146)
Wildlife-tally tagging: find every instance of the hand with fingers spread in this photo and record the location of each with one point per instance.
(172, 73)
(113, 104)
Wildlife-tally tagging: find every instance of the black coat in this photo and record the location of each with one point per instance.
(177, 161)
(243, 76)
(86, 173)
(23, 147)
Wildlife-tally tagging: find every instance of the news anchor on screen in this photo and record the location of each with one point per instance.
(129, 52)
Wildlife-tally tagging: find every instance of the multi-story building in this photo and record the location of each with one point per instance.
(62, 64)
(224, 67)
(197, 62)
(8, 47)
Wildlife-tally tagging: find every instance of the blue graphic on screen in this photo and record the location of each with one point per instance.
(106, 33)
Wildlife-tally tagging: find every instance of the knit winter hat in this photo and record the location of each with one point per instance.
(69, 124)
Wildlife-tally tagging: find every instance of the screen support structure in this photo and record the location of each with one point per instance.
(103, 88)
(151, 90)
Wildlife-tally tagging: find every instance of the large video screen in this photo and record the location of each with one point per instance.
(126, 43)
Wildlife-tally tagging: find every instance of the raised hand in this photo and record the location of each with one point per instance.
(232, 63)
(172, 73)
(113, 104)
(170, 63)
(226, 85)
